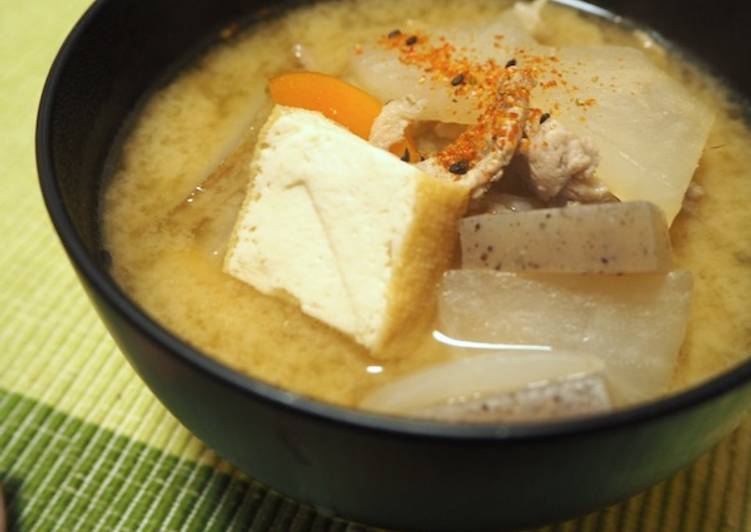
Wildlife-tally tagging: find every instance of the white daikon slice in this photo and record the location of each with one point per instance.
(635, 324)
(649, 130)
(381, 72)
(477, 376)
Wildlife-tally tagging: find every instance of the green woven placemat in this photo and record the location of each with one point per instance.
(85, 446)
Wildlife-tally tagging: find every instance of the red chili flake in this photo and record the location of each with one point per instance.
(589, 102)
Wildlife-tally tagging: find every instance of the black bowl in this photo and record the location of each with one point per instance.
(389, 472)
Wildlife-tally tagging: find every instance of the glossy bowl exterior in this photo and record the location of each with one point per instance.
(388, 472)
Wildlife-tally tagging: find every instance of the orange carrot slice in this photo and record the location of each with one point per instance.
(351, 107)
(336, 99)
(406, 150)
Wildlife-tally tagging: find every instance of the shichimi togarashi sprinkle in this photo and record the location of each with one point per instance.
(501, 92)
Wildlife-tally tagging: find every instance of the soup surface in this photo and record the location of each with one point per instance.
(167, 228)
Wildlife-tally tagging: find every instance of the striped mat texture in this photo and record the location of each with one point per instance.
(85, 446)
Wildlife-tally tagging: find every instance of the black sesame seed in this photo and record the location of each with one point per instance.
(459, 167)
(477, 228)
(544, 118)
(406, 157)
(458, 80)
(412, 40)
(511, 63)
(394, 34)
(604, 260)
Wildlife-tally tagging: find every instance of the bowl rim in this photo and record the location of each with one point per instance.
(276, 397)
